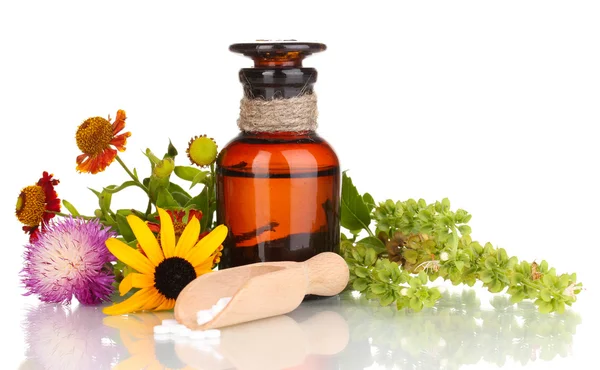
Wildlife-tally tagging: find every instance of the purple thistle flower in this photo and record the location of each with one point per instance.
(69, 259)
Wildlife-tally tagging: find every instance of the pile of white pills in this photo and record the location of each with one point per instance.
(171, 329)
(204, 316)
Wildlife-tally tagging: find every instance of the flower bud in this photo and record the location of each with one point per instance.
(164, 168)
(202, 151)
(444, 256)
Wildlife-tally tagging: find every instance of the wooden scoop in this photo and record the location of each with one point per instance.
(260, 290)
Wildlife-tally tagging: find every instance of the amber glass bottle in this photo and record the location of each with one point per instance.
(278, 192)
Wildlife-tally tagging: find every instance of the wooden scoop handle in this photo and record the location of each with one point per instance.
(328, 274)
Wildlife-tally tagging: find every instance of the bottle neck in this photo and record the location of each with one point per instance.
(270, 83)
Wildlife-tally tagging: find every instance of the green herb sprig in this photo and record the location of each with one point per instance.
(412, 243)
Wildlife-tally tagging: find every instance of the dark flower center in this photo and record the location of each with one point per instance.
(172, 275)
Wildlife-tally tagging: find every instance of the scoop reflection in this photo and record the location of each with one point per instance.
(274, 343)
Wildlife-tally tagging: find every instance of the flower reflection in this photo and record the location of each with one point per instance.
(65, 337)
(458, 331)
(136, 334)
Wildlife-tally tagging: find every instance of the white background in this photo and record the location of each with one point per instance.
(493, 104)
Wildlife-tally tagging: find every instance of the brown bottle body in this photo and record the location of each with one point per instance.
(279, 195)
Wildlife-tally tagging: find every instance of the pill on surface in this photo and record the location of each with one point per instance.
(204, 316)
(214, 333)
(181, 339)
(169, 322)
(197, 334)
(176, 329)
(161, 329)
(184, 332)
(162, 337)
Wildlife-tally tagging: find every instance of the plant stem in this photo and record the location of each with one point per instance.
(68, 215)
(133, 177)
(149, 208)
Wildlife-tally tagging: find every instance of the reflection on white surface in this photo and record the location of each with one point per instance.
(336, 333)
(68, 337)
(458, 331)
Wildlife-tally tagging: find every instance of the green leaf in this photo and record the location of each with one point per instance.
(383, 275)
(176, 188)
(386, 300)
(186, 172)
(517, 297)
(165, 199)
(423, 277)
(355, 213)
(370, 257)
(452, 241)
(543, 306)
(416, 304)
(378, 288)
(546, 295)
(372, 242)
(490, 262)
(124, 228)
(445, 204)
(486, 276)
(180, 198)
(171, 150)
(115, 189)
(369, 201)
(95, 192)
(410, 255)
(361, 271)
(201, 202)
(105, 199)
(464, 229)
(360, 284)
(199, 178)
(72, 210)
(459, 265)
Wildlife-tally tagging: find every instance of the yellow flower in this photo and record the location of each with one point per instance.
(167, 267)
(202, 150)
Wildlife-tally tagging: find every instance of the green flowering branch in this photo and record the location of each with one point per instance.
(418, 242)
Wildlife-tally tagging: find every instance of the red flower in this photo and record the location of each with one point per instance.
(33, 205)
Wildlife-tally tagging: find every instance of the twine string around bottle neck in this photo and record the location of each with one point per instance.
(279, 115)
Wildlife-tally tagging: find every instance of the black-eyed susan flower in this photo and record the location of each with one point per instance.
(165, 268)
(180, 219)
(36, 204)
(96, 137)
(202, 151)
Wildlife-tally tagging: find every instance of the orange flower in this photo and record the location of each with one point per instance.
(34, 202)
(94, 138)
